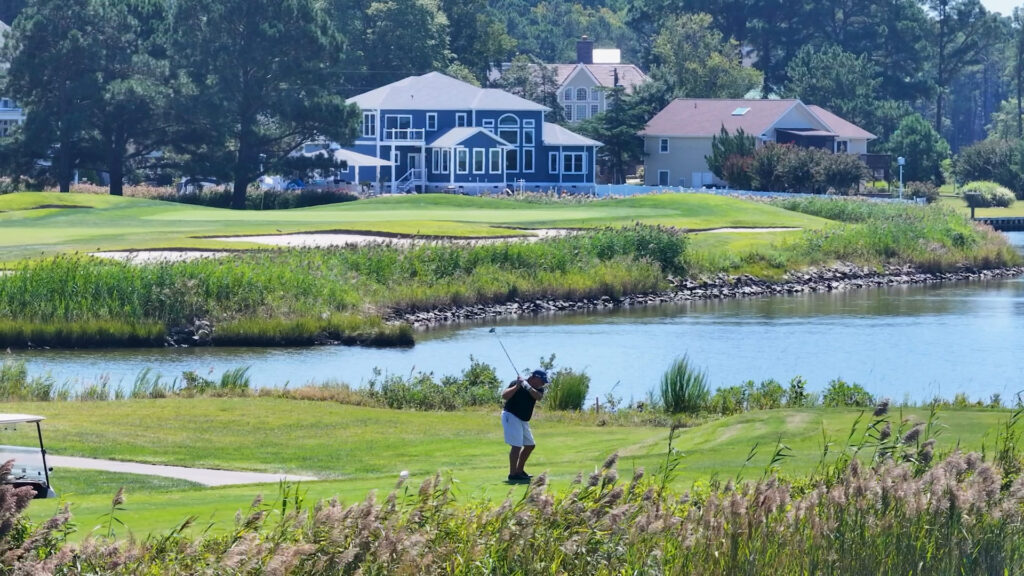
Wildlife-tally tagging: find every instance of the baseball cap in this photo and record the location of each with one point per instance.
(542, 375)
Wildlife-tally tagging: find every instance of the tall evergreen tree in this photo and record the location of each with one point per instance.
(698, 62)
(835, 80)
(403, 38)
(259, 79)
(477, 40)
(53, 57)
(616, 128)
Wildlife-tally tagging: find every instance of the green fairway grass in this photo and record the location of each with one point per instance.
(40, 224)
(356, 450)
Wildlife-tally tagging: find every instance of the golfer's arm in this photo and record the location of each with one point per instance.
(510, 391)
(537, 394)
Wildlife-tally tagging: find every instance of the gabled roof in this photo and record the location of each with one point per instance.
(555, 135)
(629, 75)
(457, 136)
(706, 117)
(841, 127)
(435, 91)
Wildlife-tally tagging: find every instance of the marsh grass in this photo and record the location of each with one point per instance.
(305, 296)
(567, 391)
(684, 388)
(896, 513)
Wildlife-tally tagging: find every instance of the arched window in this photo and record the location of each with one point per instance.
(508, 121)
(581, 94)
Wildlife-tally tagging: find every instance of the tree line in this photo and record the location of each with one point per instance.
(228, 88)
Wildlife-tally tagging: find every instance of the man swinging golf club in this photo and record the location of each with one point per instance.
(520, 397)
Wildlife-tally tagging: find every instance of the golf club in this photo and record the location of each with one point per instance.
(492, 331)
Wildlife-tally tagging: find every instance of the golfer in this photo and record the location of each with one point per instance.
(520, 397)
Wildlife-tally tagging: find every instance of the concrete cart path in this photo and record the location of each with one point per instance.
(205, 476)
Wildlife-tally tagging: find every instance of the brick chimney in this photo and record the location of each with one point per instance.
(585, 50)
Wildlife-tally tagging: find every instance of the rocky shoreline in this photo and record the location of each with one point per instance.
(831, 279)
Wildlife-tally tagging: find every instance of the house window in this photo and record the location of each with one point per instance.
(6, 126)
(567, 110)
(572, 163)
(435, 160)
(595, 95)
(528, 160)
(460, 120)
(581, 94)
(528, 123)
(662, 177)
(567, 96)
(512, 160)
(495, 160)
(432, 121)
(369, 124)
(581, 111)
(553, 162)
(527, 137)
(440, 160)
(663, 145)
(488, 123)
(593, 110)
(842, 147)
(508, 129)
(446, 161)
(479, 160)
(461, 160)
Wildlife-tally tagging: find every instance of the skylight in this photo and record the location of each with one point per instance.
(740, 111)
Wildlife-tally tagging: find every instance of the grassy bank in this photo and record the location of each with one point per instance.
(306, 296)
(689, 511)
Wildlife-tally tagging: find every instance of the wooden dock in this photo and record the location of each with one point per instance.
(1003, 224)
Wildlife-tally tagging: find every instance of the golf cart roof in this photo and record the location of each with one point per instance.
(18, 418)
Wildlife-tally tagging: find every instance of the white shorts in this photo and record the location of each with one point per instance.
(517, 432)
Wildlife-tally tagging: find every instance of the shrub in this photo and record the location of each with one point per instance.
(839, 394)
(729, 400)
(842, 173)
(983, 194)
(925, 190)
(799, 166)
(994, 160)
(568, 390)
(766, 167)
(736, 172)
(725, 147)
(684, 388)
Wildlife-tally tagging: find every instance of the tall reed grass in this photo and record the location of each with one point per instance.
(684, 388)
(305, 296)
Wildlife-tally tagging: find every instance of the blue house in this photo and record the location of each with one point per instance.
(444, 135)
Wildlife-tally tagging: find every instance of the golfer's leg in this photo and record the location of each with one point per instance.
(513, 460)
(523, 455)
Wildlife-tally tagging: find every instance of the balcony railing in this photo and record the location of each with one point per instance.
(404, 135)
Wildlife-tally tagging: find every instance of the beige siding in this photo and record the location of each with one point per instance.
(685, 156)
(857, 147)
(581, 80)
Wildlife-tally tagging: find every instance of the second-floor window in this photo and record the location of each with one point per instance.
(369, 124)
(595, 95)
(527, 137)
(567, 96)
(663, 146)
(460, 120)
(432, 121)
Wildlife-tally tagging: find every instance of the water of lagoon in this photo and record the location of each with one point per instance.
(907, 343)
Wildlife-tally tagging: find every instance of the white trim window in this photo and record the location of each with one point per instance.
(594, 110)
(567, 95)
(595, 95)
(489, 123)
(527, 137)
(512, 160)
(439, 161)
(581, 94)
(495, 160)
(581, 111)
(461, 120)
(663, 146)
(528, 160)
(567, 112)
(574, 163)
(479, 161)
(663, 178)
(528, 123)
(553, 162)
(432, 121)
(462, 160)
(369, 124)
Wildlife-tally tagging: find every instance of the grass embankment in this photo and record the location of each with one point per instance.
(806, 513)
(302, 296)
(356, 449)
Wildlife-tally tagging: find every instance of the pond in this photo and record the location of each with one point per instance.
(906, 343)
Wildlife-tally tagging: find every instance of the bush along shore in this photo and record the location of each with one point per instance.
(718, 287)
(370, 295)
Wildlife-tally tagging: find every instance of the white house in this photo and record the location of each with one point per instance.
(10, 114)
(678, 138)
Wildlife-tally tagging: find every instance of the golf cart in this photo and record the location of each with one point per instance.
(21, 440)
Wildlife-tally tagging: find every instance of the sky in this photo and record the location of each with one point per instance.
(1004, 7)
